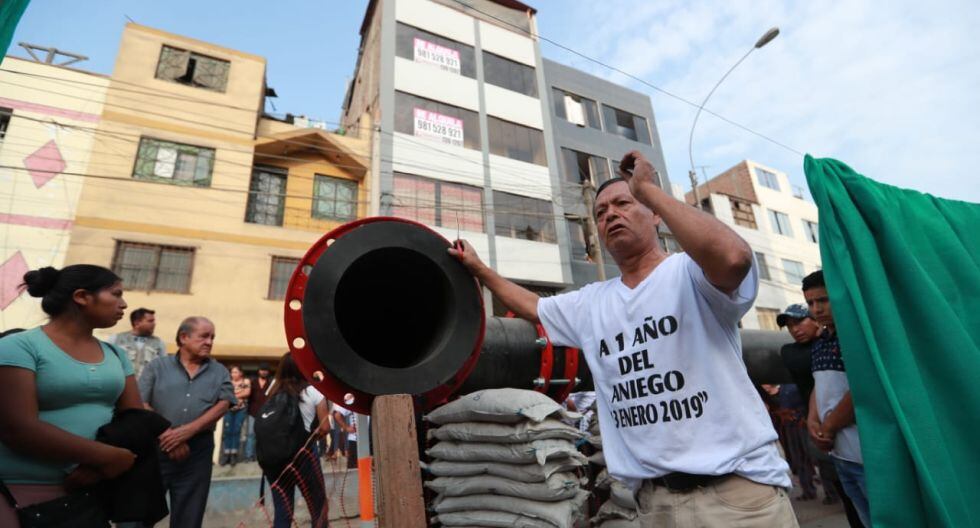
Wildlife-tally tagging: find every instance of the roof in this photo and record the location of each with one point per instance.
(510, 4)
(292, 141)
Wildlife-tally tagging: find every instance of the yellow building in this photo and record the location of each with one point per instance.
(48, 115)
(201, 202)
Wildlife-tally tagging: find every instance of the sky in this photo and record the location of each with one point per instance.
(891, 88)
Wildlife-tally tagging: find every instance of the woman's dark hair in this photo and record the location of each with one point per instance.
(56, 287)
(288, 377)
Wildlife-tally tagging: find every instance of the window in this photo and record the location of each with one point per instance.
(5, 115)
(780, 223)
(767, 178)
(742, 213)
(166, 161)
(508, 74)
(152, 267)
(421, 46)
(438, 203)
(576, 109)
(812, 232)
(793, 271)
(760, 260)
(193, 69)
(626, 124)
(767, 318)
(579, 245)
(516, 141)
(334, 198)
(523, 217)
(279, 275)
(580, 166)
(266, 196)
(437, 121)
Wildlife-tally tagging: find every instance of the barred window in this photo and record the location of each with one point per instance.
(522, 217)
(742, 213)
(152, 267)
(266, 196)
(176, 163)
(193, 69)
(334, 198)
(279, 275)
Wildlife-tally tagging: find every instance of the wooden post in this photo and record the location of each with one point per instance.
(396, 456)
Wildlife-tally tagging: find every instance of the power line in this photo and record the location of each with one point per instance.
(631, 76)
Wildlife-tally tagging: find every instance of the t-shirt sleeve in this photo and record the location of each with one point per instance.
(127, 365)
(16, 351)
(227, 391)
(560, 315)
(730, 307)
(312, 395)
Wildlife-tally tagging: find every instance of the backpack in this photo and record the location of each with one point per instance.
(279, 433)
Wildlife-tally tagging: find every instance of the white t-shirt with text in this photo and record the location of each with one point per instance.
(673, 393)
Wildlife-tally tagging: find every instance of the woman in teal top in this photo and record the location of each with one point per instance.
(59, 384)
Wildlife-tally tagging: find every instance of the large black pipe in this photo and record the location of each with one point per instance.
(378, 306)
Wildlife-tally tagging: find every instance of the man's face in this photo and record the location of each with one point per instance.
(819, 304)
(626, 226)
(198, 342)
(146, 325)
(803, 330)
(263, 373)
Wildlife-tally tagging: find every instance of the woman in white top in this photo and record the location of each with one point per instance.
(308, 474)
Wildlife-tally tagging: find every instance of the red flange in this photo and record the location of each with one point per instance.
(296, 336)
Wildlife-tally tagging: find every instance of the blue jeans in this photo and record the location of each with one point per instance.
(851, 476)
(307, 474)
(250, 438)
(188, 481)
(232, 431)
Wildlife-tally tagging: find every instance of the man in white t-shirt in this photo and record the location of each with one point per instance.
(679, 417)
(347, 421)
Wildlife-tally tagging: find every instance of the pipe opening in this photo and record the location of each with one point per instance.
(393, 307)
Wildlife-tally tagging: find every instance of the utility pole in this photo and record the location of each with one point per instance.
(591, 231)
(694, 187)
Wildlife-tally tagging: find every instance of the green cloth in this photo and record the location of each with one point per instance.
(75, 396)
(903, 273)
(10, 13)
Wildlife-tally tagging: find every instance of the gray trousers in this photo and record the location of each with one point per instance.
(187, 482)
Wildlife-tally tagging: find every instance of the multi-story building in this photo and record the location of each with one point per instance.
(464, 142)
(780, 225)
(198, 200)
(594, 123)
(47, 117)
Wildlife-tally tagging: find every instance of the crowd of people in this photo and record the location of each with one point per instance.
(681, 422)
(75, 429)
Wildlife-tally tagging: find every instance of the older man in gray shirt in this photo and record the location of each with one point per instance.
(193, 392)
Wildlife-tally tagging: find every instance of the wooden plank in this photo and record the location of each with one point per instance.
(396, 456)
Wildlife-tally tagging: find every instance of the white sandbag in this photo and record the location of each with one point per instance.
(492, 519)
(621, 523)
(596, 441)
(610, 510)
(526, 431)
(501, 406)
(622, 495)
(598, 459)
(561, 514)
(520, 472)
(559, 486)
(603, 480)
(538, 451)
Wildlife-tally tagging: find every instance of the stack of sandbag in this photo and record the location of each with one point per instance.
(504, 458)
(620, 509)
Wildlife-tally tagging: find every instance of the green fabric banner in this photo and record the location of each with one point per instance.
(903, 273)
(10, 13)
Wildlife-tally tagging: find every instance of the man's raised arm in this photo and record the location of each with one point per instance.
(521, 301)
(715, 247)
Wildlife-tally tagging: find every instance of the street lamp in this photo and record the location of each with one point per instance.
(763, 40)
